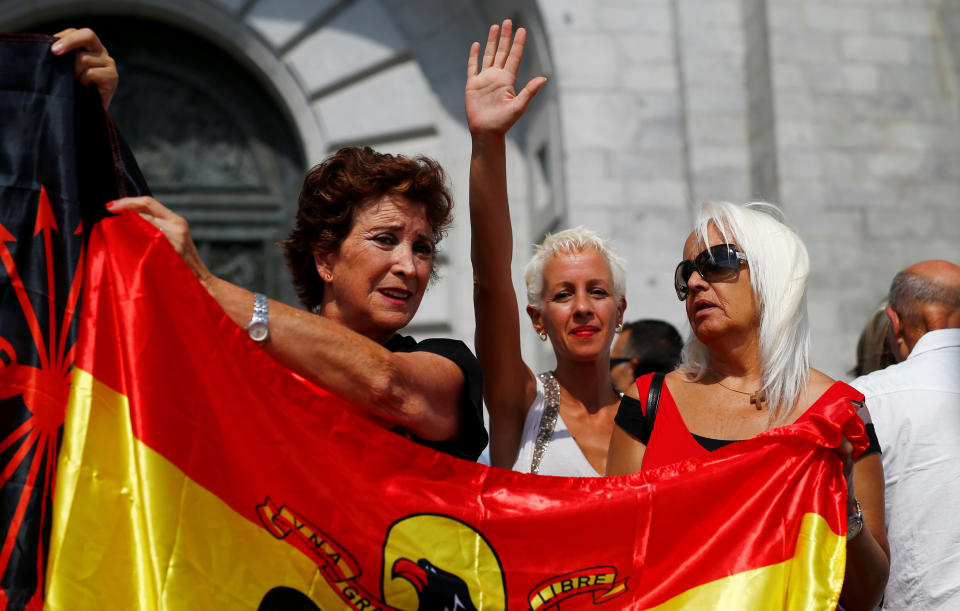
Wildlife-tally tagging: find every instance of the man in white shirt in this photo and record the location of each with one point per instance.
(915, 407)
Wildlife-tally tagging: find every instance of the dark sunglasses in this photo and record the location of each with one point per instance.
(715, 264)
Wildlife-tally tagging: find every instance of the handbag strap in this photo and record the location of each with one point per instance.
(548, 419)
(653, 400)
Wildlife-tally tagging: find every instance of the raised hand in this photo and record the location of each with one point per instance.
(93, 65)
(492, 104)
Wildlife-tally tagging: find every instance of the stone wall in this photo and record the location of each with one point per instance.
(865, 101)
(842, 111)
(626, 146)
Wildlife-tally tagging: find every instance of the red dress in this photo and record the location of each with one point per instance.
(671, 440)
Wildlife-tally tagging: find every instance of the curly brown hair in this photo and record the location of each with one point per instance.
(343, 184)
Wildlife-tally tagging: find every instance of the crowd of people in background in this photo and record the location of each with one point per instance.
(622, 397)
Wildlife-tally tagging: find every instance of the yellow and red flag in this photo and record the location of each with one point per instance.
(197, 473)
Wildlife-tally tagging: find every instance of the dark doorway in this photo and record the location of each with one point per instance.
(211, 141)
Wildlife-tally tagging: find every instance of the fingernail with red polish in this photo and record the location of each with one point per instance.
(111, 205)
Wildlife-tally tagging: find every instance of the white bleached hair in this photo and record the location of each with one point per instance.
(567, 241)
(779, 268)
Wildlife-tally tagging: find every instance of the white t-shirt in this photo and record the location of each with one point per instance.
(915, 407)
(562, 456)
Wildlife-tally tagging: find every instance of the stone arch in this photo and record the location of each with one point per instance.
(213, 144)
(388, 73)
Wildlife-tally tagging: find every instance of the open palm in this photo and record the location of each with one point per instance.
(491, 102)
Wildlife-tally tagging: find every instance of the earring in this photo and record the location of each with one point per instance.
(543, 336)
(619, 328)
(328, 277)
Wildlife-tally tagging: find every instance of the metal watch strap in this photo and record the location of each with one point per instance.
(259, 327)
(855, 522)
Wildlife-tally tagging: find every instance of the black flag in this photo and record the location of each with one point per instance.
(61, 161)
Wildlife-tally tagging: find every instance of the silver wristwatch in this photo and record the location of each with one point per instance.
(854, 522)
(259, 327)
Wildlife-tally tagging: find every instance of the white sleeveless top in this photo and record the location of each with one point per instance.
(562, 456)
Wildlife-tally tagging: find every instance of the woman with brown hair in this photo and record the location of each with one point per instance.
(362, 254)
(873, 347)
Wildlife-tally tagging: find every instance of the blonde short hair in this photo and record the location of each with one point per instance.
(567, 241)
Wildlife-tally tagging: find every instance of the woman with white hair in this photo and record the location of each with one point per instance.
(557, 423)
(745, 370)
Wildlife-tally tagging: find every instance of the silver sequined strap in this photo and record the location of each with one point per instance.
(548, 420)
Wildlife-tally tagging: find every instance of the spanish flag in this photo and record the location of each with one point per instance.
(197, 473)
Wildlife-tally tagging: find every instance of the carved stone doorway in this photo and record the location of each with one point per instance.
(212, 143)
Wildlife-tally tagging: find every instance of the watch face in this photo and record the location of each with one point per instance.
(854, 524)
(258, 331)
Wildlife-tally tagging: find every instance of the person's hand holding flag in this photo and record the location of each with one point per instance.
(93, 64)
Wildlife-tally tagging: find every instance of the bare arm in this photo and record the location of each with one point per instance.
(93, 65)
(626, 452)
(868, 555)
(492, 107)
(419, 390)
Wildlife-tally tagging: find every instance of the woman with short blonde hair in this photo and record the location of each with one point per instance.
(558, 422)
